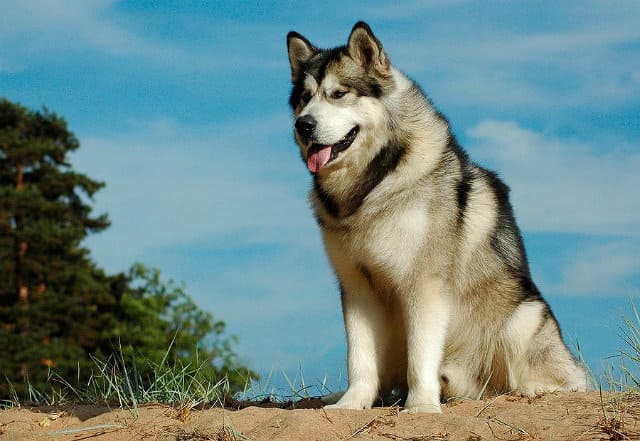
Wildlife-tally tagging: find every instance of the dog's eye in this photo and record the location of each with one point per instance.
(306, 96)
(336, 95)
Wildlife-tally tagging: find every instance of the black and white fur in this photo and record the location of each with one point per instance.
(437, 296)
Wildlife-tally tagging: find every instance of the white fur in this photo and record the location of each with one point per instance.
(521, 327)
(427, 317)
(364, 318)
(394, 243)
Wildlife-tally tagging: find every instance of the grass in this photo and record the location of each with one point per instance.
(624, 378)
(296, 388)
(631, 355)
(117, 382)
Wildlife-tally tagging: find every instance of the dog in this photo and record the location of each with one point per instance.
(437, 296)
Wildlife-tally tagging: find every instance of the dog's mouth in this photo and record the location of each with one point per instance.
(320, 155)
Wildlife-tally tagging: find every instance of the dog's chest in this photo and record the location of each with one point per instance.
(387, 241)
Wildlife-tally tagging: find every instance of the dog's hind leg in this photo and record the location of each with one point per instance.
(456, 381)
(538, 361)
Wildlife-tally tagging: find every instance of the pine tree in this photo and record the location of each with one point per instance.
(50, 292)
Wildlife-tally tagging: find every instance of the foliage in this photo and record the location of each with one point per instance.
(52, 301)
(154, 316)
(57, 307)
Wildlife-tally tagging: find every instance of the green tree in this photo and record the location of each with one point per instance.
(50, 292)
(158, 320)
(56, 306)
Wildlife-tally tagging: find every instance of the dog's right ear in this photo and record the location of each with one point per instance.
(366, 49)
(300, 51)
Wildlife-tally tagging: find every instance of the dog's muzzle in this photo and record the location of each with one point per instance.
(319, 155)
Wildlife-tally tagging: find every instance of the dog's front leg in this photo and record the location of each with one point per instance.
(364, 319)
(427, 317)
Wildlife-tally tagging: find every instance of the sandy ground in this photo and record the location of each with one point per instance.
(561, 416)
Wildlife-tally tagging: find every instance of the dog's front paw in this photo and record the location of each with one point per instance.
(423, 401)
(354, 398)
(359, 405)
(356, 403)
(423, 408)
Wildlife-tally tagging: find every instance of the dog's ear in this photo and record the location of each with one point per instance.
(366, 50)
(300, 51)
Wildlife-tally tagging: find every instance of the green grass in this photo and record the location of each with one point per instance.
(623, 378)
(118, 382)
(297, 388)
(630, 364)
(624, 374)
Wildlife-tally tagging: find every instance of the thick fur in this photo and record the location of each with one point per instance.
(437, 296)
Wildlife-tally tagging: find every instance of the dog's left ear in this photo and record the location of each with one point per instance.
(300, 51)
(366, 50)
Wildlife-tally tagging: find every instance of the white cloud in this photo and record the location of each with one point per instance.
(407, 9)
(40, 31)
(602, 270)
(51, 24)
(563, 185)
(493, 64)
(545, 46)
(511, 61)
(289, 300)
(566, 68)
(169, 184)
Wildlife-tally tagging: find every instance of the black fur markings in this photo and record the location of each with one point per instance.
(529, 288)
(330, 204)
(507, 240)
(365, 86)
(316, 67)
(384, 163)
(366, 273)
(462, 192)
(464, 186)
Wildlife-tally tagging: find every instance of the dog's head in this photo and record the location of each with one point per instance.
(336, 99)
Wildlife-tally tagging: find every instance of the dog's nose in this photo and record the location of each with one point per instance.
(305, 125)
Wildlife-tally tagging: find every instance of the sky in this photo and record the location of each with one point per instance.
(181, 108)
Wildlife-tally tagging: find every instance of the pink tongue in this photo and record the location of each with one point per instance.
(318, 157)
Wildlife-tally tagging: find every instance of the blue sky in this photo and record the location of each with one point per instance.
(181, 107)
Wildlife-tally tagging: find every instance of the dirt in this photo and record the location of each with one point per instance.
(559, 416)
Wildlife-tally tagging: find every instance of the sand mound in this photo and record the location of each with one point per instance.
(560, 416)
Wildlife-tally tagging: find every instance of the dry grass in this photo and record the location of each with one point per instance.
(619, 409)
